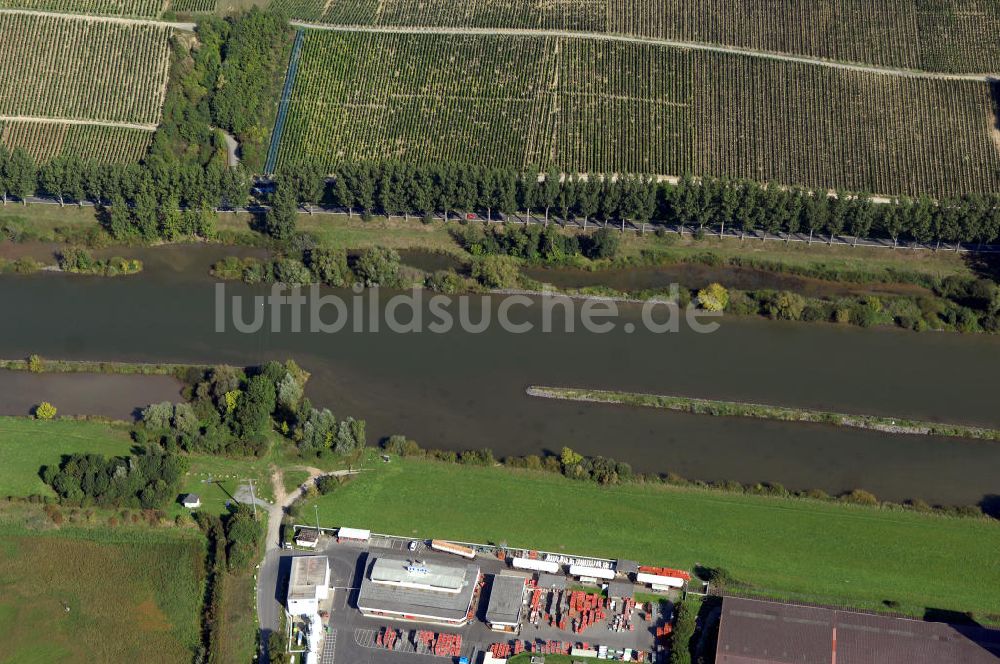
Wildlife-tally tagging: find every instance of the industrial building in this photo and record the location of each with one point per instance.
(761, 632)
(307, 538)
(308, 585)
(621, 590)
(402, 588)
(552, 581)
(503, 613)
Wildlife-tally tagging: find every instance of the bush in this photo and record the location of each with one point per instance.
(860, 497)
(401, 445)
(379, 266)
(741, 304)
(329, 266)
(291, 271)
(35, 364)
(496, 272)
(784, 305)
(603, 244)
(45, 411)
(448, 282)
(326, 484)
(713, 297)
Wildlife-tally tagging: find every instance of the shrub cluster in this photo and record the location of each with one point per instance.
(146, 480)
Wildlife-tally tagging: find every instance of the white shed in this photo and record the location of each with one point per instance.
(192, 501)
(358, 534)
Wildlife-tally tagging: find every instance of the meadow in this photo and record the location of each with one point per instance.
(587, 106)
(26, 445)
(76, 594)
(784, 547)
(937, 35)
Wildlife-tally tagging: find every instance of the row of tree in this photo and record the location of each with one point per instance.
(169, 198)
(705, 204)
(68, 178)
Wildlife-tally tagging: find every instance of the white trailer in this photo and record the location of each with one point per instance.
(591, 572)
(535, 565)
(657, 580)
(457, 549)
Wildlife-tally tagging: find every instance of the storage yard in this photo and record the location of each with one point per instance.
(392, 597)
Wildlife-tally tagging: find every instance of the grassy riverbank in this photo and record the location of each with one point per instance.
(764, 412)
(53, 223)
(26, 445)
(782, 547)
(37, 364)
(82, 593)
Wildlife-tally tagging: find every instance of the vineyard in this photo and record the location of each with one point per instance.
(945, 35)
(522, 102)
(192, 6)
(824, 127)
(87, 69)
(595, 106)
(123, 8)
(44, 140)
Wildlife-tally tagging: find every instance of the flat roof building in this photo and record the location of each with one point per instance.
(308, 584)
(307, 538)
(503, 612)
(620, 590)
(406, 589)
(553, 581)
(761, 632)
(626, 566)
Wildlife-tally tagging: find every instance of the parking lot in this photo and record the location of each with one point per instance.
(552, 621)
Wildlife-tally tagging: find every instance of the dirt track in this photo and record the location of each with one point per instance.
(695, 46)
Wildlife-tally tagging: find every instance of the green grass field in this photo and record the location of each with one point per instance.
(785, 547)
(216, 480)
(239, 619)
(132, 595)
(26, 445)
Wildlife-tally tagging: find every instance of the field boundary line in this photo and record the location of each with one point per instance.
(673, 43)
(77, 121)
(121, 20)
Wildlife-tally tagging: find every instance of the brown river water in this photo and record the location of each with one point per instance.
(462, 389)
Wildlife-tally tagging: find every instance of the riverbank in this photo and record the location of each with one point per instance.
(832, 553)
(79, 225)
(862, 286)
(719, 408)
(38, 364)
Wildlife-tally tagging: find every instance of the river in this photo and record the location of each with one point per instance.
(461, 390)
